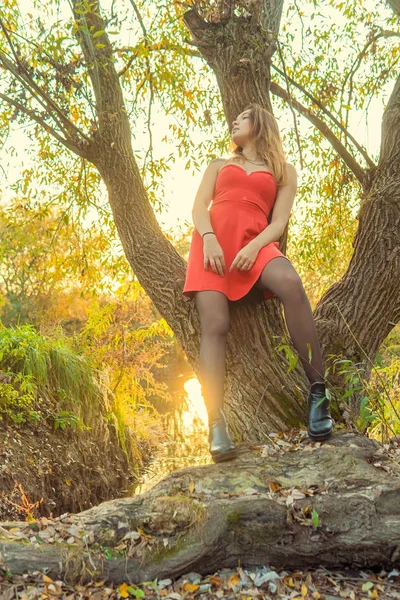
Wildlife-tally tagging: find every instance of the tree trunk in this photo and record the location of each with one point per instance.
(358, 312)
(296, 506)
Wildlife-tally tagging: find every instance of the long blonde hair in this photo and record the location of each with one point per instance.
(267, 142)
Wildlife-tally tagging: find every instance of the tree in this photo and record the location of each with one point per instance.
(76, 94)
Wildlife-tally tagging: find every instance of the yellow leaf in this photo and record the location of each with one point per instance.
(190, 587)
(123, 590)
(191, 487)
(304, 590)
(47, 579)
(233, 579)
(68, 482)
(316, 595)
(288, 581)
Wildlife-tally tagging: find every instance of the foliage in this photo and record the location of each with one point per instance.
(377, 396)
(44, 376)
(50, 262)
(127, 352)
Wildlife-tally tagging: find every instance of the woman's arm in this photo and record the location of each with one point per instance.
(280, 213)
(204, 196)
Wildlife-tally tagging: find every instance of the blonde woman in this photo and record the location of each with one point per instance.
(233, 248)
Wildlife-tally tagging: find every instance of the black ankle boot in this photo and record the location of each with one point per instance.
(320, 422)
(221, 446)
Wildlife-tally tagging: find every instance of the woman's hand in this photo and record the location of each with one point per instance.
(245, 258)
(213, 255)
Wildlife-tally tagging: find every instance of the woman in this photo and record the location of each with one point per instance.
(232, 250)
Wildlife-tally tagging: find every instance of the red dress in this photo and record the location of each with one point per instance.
(238, 213)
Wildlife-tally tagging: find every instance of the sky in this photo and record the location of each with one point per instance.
(181, 184)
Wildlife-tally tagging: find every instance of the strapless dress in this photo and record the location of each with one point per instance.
(239, 212)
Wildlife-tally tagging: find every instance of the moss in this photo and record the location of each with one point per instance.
(234, 517)
(197, 512)
(161, 552)
(180, 510)
(107, 536)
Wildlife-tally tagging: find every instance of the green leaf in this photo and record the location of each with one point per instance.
(98, 33)
(138, 593)
(315, 517)
(367, 586)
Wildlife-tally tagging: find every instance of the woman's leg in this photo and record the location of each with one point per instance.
(215, 320)
(280, 277)
(213, 308)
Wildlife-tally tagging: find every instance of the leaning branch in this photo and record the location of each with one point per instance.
(324, 129)
(20, 72)
(68, 143)
(320, 105)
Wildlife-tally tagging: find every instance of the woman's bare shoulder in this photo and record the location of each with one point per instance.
(292, 176)
(290, 168)
(218, 161)
(216, 164)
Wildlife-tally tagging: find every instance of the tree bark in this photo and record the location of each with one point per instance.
(333, 505)
(358, 312)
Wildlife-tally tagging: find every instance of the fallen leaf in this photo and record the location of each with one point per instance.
(123, 590)
(367, 586)
(190, 587)
(273, 486)
(233, 580)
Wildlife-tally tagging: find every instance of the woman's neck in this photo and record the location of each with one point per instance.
(249, 152)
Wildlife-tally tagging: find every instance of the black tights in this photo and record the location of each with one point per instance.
(280, 277)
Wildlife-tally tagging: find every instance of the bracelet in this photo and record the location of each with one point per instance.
(207, 232)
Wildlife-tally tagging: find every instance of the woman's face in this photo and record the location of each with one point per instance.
(241, 128)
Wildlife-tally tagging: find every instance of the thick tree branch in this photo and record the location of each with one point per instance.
(293, 506)
(98, 53)
(195, 53)
(391, 128)
(324, 129)
(395, 6)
